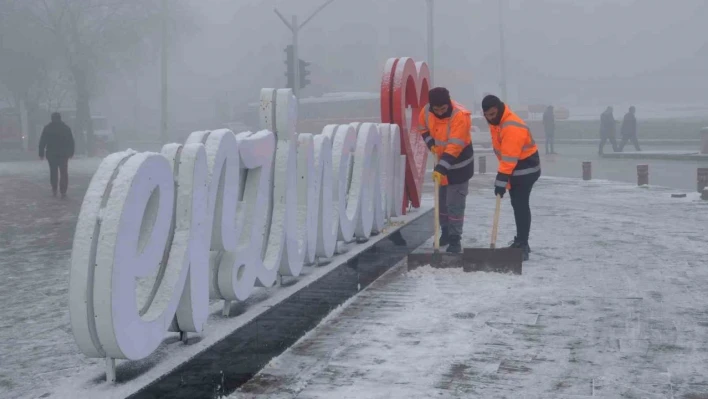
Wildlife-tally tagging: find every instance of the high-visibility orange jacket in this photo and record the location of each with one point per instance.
(453, 142)
(515, 149)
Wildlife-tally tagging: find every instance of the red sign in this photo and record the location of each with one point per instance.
(405, 84)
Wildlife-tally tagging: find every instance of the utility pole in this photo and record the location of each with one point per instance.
(295, 29)
(431, 52)
(296, 64)
(163, 67)
(502, 60)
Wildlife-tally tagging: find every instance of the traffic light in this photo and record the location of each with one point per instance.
(289, 62)
(304, 81)
(290, 73)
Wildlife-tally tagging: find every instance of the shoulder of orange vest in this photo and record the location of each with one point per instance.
(511, 119)
(427, 115)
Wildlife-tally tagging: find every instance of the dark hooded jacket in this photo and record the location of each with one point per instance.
(608, 125)
(549, 122)
(629, 125)
(56, 142)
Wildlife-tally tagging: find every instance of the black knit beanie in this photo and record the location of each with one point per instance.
(439, 96)
(491, 101)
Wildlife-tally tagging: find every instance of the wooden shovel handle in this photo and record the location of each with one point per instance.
(436, 225)
(495, 225)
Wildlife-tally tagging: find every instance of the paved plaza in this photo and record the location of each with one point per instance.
(612, 304)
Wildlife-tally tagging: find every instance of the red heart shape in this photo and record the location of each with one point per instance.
(404, 84)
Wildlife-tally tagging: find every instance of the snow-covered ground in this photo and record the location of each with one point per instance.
(612, 304)
(38, 355)
(36, 345)
(76, 165)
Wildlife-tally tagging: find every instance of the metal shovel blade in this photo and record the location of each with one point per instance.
(428, 256)
(499, 260)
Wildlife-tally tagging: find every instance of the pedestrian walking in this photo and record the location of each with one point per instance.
(629, 130)
(57, 145)
(549, 125)
(608, 129)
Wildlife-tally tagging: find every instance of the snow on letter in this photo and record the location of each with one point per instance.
(159, 234)
(225, 218)
(83, 255)
(286, 243)
(365, 179)
(398, 173)
(343, 139)
(239, 271)
(131, 244)
(327, 221)
(308, 193)
(189, 247)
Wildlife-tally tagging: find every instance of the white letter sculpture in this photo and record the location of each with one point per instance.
(159, 234)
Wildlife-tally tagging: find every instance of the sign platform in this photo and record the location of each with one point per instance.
(261, 328)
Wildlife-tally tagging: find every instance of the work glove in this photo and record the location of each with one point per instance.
(500, 191)
(437, 177)
(434, 149)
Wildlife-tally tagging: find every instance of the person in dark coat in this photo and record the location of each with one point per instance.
(608, 129)
(549, 125)
(57, 145)
(629, 130)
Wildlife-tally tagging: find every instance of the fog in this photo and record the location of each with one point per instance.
(568, 52)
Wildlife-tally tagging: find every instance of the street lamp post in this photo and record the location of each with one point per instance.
(502, 61)
(295, 29)
(163, 72)
(431, 52)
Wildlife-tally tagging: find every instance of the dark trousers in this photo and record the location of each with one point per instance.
(612, 140)
(59, 170)
(520, 194)
(625, 139)
(549, 144)
(453, 198)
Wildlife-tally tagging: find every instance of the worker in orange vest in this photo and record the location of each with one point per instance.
(445, 126)
(519, 164)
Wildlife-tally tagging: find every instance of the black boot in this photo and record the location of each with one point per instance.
(515, 242)
(454, 246)
(523, 245)
(444, 237)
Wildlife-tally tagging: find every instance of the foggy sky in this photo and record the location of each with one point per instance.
(572, 51)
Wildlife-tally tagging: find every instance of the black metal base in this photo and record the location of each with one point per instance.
(224, 367)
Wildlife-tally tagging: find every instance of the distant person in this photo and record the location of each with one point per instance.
(629, 130)
(608, 129)
(57, 145)
(549, 124)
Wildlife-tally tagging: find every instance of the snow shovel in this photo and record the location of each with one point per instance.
(493, 259)
(434, 258)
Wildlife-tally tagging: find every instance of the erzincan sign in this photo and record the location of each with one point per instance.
(160, 234)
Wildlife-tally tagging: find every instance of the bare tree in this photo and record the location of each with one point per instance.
(94, 36)
(26, 56)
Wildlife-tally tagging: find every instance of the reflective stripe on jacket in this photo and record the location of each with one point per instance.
(453, 142)
(515, 148)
